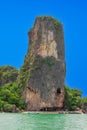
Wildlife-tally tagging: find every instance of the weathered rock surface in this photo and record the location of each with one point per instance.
(43, 73)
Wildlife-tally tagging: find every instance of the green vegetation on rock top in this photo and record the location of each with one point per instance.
(55, 21)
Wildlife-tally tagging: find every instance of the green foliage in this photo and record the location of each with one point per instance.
(7, 74)
(84, 101)
(73, 99)
(56, 23)
(26, 68)
(10, 97)
(6, 107)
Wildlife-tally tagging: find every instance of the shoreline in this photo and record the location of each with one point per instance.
(54, 112)
(48, 112)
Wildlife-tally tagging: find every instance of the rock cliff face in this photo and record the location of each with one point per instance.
(43, 73)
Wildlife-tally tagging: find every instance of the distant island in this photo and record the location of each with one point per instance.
(39, 84)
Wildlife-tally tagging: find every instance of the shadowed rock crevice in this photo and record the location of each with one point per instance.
(58, 91)
(50, 109)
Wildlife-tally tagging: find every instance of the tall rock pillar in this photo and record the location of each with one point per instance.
(43, 73)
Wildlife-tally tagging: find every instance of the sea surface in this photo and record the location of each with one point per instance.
(32, 121)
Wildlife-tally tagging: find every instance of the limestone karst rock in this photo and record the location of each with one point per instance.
(43, 73)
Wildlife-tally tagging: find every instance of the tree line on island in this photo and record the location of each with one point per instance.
(11, 99)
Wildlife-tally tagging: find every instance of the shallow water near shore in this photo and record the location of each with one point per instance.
(33, 121)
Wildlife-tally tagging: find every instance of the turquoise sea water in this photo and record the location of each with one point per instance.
(25, 121)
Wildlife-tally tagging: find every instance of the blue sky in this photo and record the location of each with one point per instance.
(17, 17)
